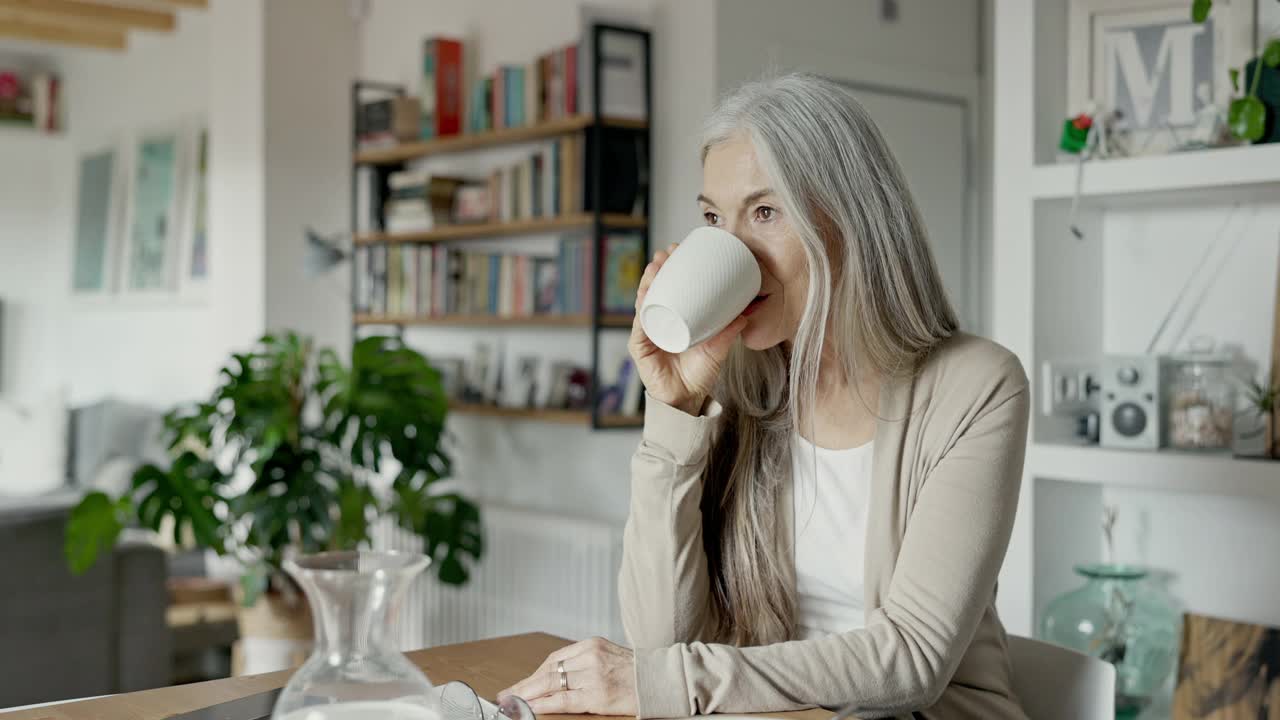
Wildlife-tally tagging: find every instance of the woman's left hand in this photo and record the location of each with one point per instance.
(601, 680)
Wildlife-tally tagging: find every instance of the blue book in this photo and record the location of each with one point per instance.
(562, 272)
(495, 273)
(555, 179)
(515, 97)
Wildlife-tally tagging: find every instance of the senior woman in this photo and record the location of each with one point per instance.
(824, 492)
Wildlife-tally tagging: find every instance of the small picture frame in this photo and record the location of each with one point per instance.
(1167, 77)
(99, 204)
(151, 228)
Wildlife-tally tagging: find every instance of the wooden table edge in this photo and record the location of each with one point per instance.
(488, 665)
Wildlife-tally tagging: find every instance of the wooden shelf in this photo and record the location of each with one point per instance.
(1126, 179)
(566, 417)
(1158, 470)
(476, 231)
(487, 139)
(575, 321)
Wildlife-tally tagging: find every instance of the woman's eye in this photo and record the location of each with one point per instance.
(711, 218)
(764, 213)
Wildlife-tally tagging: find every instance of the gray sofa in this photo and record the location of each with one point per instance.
(63, 636)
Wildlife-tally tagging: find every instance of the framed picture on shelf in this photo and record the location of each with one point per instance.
(154, 211)
(1166, 77)
(1227, 670)
(97, 230)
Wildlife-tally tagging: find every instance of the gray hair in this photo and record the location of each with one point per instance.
(876, 303)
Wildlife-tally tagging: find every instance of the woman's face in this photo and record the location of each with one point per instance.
(737, 196)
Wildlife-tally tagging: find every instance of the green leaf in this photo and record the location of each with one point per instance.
(1200, 10)
(1271, 53)
(1235, 79)
(184, 493)
(93, 526)
(354, 504)
(253, 582)
(1247, 118)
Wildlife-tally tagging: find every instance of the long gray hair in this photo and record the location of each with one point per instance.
(876, 303)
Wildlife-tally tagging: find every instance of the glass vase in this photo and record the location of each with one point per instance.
(1120, 616)
(354, 671)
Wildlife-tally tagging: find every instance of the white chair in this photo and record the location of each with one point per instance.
(1055, 683)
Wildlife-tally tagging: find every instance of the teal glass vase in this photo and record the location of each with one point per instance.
(1119, 615)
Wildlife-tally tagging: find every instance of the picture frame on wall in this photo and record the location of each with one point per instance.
(193, 237)
(155, 200)
(1167, 77)
(99, 196)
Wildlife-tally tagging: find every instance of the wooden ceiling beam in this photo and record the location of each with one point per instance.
(19, 25)
(80, 12)
(197, 4)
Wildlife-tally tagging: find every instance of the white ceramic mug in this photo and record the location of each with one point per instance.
(706, 283)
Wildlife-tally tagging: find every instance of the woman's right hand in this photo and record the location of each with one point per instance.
(682, 381)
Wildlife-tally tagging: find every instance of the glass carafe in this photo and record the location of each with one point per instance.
(355, 672)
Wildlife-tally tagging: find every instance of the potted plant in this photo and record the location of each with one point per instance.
(1255, 426)
(1247, 115)
(296, 452)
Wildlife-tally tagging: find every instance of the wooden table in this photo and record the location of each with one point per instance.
(489, 666)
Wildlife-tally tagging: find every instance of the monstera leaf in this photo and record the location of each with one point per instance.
(390, 399)
(449, 525)
(92, 527)
(187, 493)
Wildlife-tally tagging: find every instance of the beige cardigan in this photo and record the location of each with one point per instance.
(945, 479)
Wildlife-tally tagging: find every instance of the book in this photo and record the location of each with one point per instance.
(493, 284)
(409, 280)
(471, 203)
(395, 281)
(623, 264)
(440, 97)
(531, 93)
(546, 285)
(363, 290)
(515, 98)
(498, 108)
(425, 279)
(571, 80)
(378, 275)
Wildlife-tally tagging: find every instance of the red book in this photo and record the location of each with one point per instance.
(442, 99)
(571, 80)
(499, 108)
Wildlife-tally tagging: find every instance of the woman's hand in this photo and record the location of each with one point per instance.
(600, 675)
(683, 381)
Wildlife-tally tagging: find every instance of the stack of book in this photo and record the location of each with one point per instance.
(437, 281)
(546, 183)
(420, 201)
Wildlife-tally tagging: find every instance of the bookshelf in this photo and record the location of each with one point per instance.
(568, 321)
(404, 152)
(552, 415)
(478, 231)
(599, 134)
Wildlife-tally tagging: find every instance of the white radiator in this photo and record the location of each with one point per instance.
(540, 572)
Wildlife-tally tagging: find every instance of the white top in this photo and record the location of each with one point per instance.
(830, 507)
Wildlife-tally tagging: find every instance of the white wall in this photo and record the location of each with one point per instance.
(156, 351)
(310, 56)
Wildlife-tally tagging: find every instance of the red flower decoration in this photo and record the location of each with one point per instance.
(1082, 122)
(9, 86)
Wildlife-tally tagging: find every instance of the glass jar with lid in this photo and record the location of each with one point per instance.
(1200, 403)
